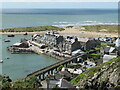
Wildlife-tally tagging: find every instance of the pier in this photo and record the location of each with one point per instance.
(49, 69)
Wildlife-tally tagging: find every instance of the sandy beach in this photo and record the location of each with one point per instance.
(74, 30)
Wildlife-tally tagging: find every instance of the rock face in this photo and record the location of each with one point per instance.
(103, 77)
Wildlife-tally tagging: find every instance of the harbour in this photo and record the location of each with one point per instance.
(60, 45)
(20, 65)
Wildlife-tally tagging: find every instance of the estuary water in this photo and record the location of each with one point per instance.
(20, 65)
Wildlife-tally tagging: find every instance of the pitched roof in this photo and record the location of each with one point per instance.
(118, 42)
(108, 57)
(106, 49)
(64, 84)
(109, 49)
(112, 49)
(65, 73)
(17, 44)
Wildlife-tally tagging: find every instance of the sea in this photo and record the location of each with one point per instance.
(12, 18)
(19, 65)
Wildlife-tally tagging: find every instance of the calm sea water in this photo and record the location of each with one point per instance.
(57, 17)
(19, 65)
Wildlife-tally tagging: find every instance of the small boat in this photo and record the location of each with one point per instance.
(11, 35)
(25, 34)
(1, 61)
(6, 40)
(7, 58)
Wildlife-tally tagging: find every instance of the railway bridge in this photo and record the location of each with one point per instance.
(50, 69)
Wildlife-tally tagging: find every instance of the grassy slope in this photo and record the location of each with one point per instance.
(90, 72)
(102, 28)
(95, 28)
(33, 29)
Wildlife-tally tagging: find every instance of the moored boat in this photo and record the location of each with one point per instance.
(25, 33)
(1, 61)
(6, 40)
(11, 35)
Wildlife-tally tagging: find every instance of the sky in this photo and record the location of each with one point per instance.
(59, 0)
(59, 4)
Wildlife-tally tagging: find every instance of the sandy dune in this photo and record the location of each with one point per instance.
(74, 30)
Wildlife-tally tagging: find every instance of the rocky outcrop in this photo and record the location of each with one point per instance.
(103, 77)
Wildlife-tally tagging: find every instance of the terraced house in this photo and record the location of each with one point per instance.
(53, 39)
(63, 44)
(70, 44)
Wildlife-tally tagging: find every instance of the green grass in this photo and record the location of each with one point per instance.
(80, 76)
(104, 44)
(69, 26)
(90, 72)
(94, 54)
(32, 82)
(107, 44)
(99, 28)
(33, 29)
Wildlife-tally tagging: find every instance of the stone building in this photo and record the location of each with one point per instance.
(91, 44)
(69, 45)
(53, 39)
(63, 44)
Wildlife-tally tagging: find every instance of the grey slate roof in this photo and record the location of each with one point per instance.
(64, 74)
(65, 84)
(106, 49)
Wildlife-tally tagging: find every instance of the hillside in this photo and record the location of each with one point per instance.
(103, 77)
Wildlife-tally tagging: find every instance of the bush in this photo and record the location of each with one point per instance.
(31, 82)
(60, 68)
(69, 27)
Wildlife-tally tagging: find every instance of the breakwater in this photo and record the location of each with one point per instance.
(17, 50)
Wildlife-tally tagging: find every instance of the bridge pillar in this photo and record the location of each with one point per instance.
(39, 77)
(52, 71)
(74, 60)
(56, 69)
(48, 72)
(66, 64)
(43, 76)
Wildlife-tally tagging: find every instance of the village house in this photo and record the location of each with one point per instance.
(64, 84)
(112, 52)
(23, 44)
(36, 37)
(52, 39)
(62, 44)
(117, 42)
(90, 43)
(69, 45)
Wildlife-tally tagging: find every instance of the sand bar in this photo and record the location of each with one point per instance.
(73, 30)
